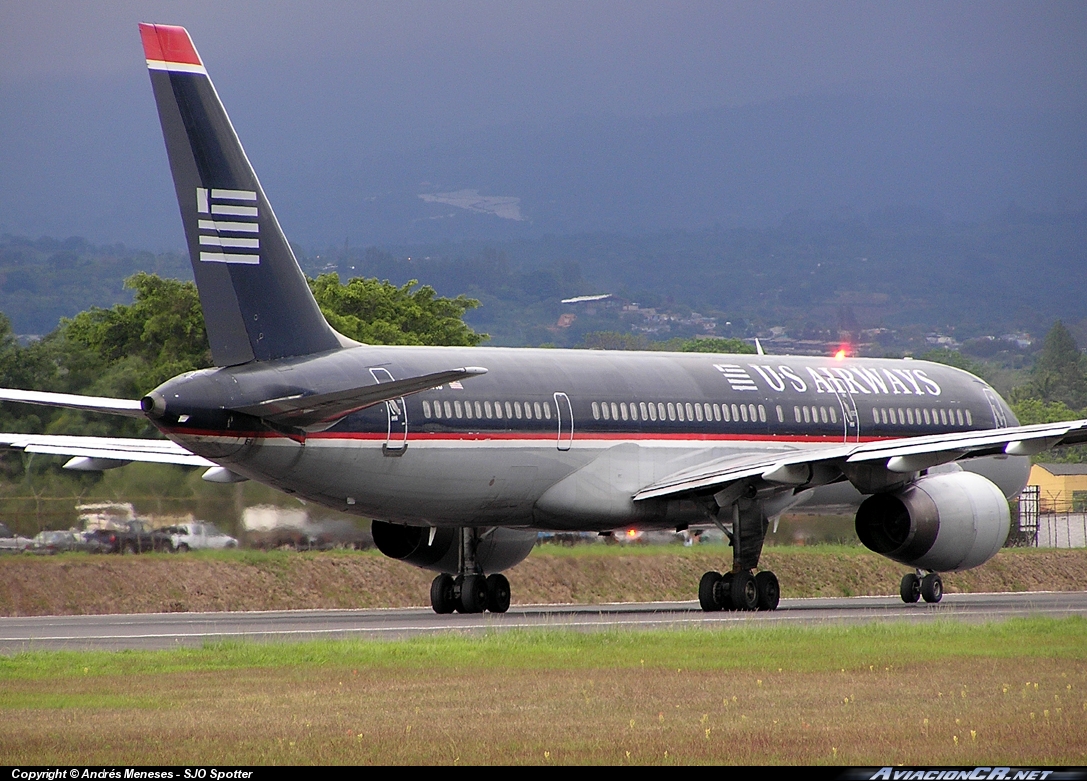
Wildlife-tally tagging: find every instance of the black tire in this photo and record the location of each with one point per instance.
(442, 596)
(932, 588)
(498, 593)
(910, 588)
(473, 594)
(722, 592)
(706, 588)
(769, 590)
(744, 592)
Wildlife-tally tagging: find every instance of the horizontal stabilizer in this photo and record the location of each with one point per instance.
(320, 411)
(109, 406)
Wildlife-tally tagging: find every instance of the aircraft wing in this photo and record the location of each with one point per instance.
(821, 465)
(126, 407)
(104, 451)
(317, 411)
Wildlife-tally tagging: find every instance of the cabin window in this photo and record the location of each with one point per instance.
(743, 412)
(883, 415)
(458, 408)
(679, 411)
(901, 417)
(823, 414)
(509, 411)
(725, 413)
(943, 416)
(468, 410)
(426, 408)
(660, 410)
(517, 409)
(807, 415)
(928, 420)
(671, 411)
(596, 411)
(717, 412)
(762, 414)
(547, 410)
(479, 409)
(488, 409)
(781, 413)
(614, 411)
(909, 415)
(735, 413)
(969, 418)
(796, 414)
(498, 410)
(652, 411)
(645, 412)
(833, 415)
(528, 410)
(623, 409)
(690, 412)
(698, 410)
(448, 410)
(633, 410)
(891, 415)
(875, 415)
(958, 416)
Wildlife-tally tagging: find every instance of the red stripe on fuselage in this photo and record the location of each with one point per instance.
(482, 436)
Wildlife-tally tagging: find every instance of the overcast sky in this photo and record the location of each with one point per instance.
(377, 76)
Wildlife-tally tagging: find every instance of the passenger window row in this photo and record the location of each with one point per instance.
(681, 411)
(917, 416)
(480, 410)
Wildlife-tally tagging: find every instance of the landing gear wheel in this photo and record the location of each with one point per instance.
(443, 598)
(769, 591)
(722, 592)
(473, 594)
(910, 589)
(932, 588)
(498, 593)
(707, 588)
(744, 592)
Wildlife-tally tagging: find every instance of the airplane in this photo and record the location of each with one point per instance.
(462, 455)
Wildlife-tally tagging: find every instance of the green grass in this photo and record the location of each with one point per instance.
(946, 693)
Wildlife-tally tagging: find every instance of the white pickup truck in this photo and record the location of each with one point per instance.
(199, 536)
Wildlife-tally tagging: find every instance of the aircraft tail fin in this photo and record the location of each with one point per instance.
(257, 304)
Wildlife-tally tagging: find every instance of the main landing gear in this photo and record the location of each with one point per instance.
(929, 587)
(739, 589)
(470, 591)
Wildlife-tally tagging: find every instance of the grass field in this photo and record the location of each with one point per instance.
(949, 693)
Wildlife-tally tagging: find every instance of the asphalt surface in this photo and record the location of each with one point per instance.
(171, 630)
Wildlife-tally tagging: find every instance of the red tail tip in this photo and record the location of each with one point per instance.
(168, 43)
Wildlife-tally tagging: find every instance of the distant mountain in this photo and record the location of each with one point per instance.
(751, 166)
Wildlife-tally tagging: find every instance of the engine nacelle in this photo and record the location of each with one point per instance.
(498, 549)
(943, 523)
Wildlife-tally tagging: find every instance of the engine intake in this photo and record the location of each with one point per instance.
(943, 523)
(498, 549)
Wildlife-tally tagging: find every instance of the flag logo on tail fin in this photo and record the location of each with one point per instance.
(228, 227)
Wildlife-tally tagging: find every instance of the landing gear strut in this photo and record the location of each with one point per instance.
(929, 587)
(470, 591)
(740, 589)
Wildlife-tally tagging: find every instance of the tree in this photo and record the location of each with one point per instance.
(1060, 373)
(379, 312)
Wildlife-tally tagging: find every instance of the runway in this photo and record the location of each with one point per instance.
(172, 630)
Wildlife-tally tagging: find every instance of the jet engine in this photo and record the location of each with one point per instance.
(498, 548)
(942, 523)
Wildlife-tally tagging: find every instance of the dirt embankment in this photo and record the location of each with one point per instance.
(84, 584)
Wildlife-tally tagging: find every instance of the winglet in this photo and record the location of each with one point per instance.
(169, 48)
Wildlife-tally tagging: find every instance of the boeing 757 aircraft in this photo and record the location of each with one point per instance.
(461, 455)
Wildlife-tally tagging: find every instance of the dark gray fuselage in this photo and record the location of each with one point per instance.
(489, 452)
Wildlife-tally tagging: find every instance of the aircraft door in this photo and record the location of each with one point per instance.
(851, 419)
(565, 420)
(396, 438)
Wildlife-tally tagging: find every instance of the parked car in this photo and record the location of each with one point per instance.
(198, 536)
(131, 537)
(11, 542)
(47, 543)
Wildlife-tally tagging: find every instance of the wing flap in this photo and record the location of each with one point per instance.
(898, 455)
(159, 451)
